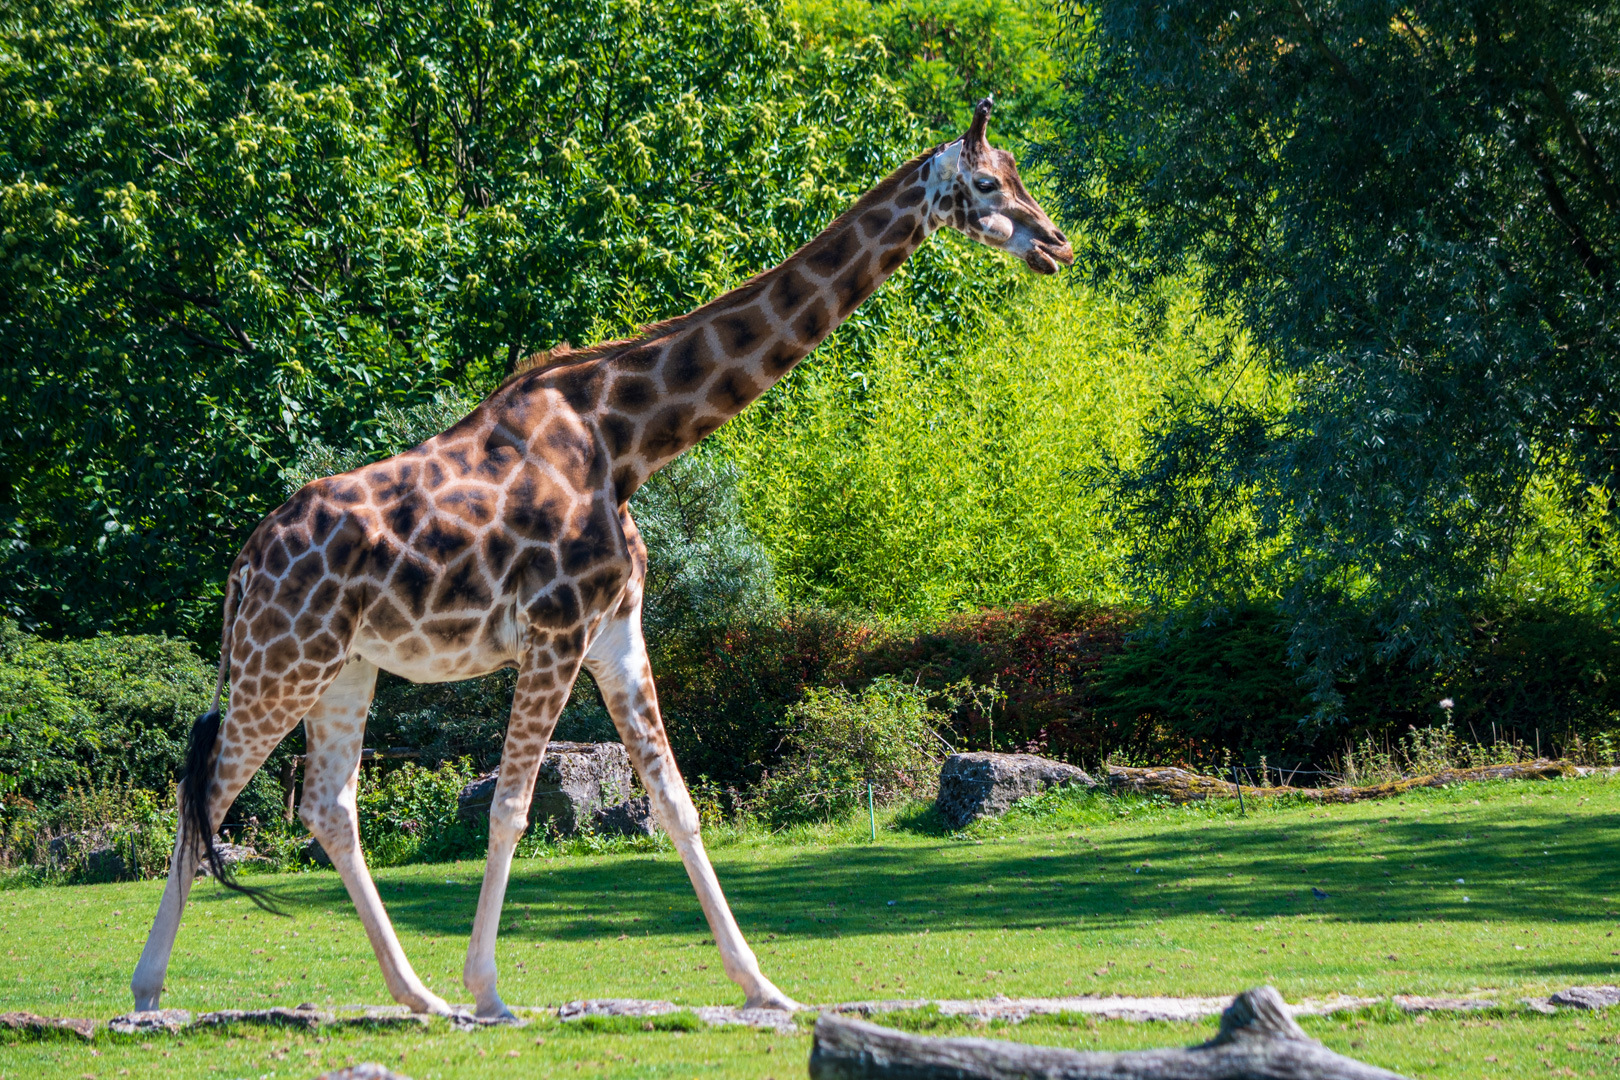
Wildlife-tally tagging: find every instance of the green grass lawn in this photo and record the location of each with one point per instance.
(1073, 895)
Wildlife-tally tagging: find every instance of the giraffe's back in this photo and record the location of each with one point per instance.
(434, 563)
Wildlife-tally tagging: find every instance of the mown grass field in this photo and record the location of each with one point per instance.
(1074, 895)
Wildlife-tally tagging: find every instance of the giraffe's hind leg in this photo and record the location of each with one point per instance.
(334, 730)
(618, 662)
(251, 729)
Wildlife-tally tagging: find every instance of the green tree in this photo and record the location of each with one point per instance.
(229, 228)
(945, 55)
(1414, 211)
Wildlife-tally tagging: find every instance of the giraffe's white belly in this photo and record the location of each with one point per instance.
(423, 658)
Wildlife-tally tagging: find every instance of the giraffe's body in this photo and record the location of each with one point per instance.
(507, 542)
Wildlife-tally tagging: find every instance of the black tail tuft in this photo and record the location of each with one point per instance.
(194, 809)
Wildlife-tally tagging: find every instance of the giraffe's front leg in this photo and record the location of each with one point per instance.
(546, 674)
(618, 662)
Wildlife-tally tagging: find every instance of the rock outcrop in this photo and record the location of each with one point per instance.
(1587, 997)
(576, 780)
(973, 786)
(633, 817)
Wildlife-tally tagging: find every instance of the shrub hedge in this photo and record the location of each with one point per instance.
(785, 695)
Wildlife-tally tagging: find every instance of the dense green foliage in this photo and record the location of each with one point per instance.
(229, 229)
(910, 481)
(842, 749)
(94, 710)
(409, 815)
(1414, 212)
(705, 567)
(92, 733)
(945, 55)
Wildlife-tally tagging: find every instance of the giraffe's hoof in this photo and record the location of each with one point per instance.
(432, 1004)
(497, 1013)
(769, 997)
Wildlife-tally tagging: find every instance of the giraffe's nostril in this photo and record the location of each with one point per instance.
(1060, 237)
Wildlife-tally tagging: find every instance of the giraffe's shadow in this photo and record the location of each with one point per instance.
(812, 893)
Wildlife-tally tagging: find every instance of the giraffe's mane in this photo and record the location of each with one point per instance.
(564, 354)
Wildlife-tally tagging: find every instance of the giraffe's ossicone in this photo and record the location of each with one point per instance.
(507, 542)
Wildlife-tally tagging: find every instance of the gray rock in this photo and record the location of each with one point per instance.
(150, 1021)
(26, 1023)
(578, 1010)
(972, 786)
(315, 853)
(308, 1019)
(575, 781)
(777, 1020)
(1414, 1003)
(1587, 997)
(466, 1021)
(633, 817)
(230, 855)
(95, 851)
(366, 1070)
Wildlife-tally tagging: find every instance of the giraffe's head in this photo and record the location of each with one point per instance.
(978, 192)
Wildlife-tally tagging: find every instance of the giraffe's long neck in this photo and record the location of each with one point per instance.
(658, 395)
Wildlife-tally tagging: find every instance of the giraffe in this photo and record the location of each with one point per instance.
(507, 541)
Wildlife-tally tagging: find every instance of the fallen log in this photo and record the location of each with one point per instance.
(1182, 785)
(1258, 1040)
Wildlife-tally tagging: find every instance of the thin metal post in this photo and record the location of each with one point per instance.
(1239, 783)
(871, 814)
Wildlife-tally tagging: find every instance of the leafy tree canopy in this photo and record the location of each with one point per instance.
(228, 228)
(1414, 211)
(944, 55)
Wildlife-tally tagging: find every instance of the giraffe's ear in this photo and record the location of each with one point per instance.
(974, 143)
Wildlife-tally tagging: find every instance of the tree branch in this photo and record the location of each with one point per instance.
(1338, 65)
(1595, 266)
(211, 304)
(1589, 155)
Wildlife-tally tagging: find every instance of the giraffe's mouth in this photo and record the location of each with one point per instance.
(1042, 247)
(1043, 258)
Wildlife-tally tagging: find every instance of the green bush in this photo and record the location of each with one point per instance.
(840, 742)
(409, 815)
(1200, 689)
(705, 566)
(96, 708)
(1036, 667)
(725, 690)
(1538, 674)
(94, 732)
(111, 831)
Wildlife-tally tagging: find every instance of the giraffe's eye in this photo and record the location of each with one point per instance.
(986, 184)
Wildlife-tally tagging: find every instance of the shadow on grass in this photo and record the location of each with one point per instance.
(1514, 860)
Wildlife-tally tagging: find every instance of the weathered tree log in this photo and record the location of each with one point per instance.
(1258, 1040)
(1181, 785)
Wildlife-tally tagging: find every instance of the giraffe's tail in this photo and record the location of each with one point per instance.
(194, 784)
